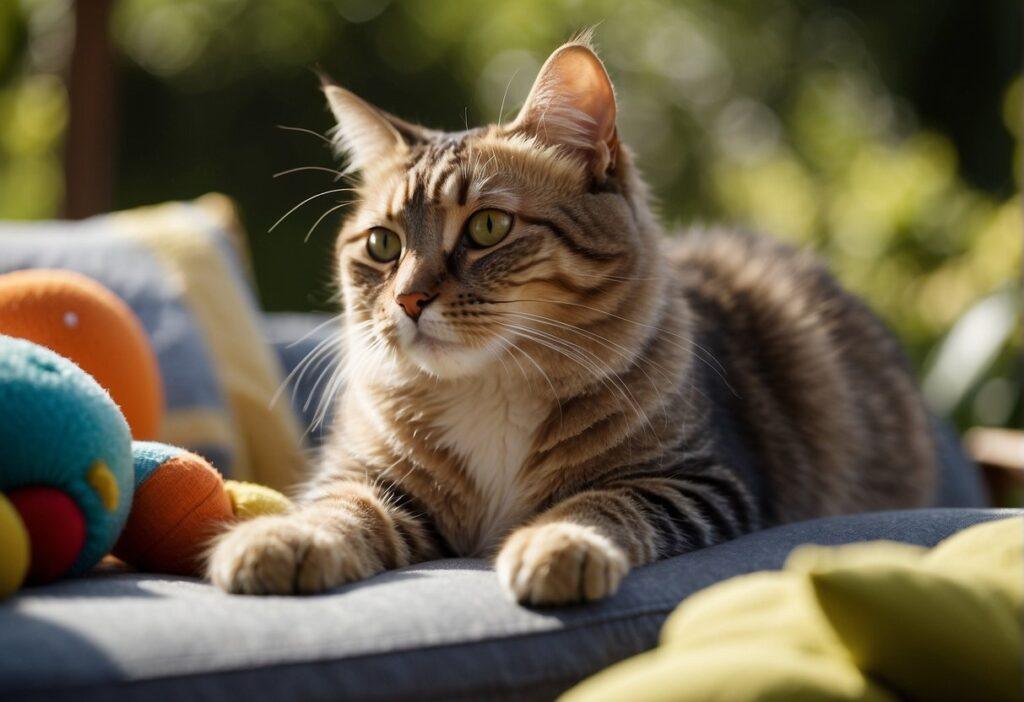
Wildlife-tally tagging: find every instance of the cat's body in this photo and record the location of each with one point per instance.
(535, 373)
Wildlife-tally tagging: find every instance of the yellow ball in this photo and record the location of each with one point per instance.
(14, 546)
(250, 500)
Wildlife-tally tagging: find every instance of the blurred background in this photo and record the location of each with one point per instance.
(885, 135)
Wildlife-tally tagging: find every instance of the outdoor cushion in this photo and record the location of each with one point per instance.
(876, 621)
(436, 631)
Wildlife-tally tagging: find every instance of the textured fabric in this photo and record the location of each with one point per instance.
(869, 622)
(195, 241)
(942, 626)
(181, 269)
(57, 425)
(754, 638)
(148, 456)
(436, 631)
(250, 500)
(178, 507)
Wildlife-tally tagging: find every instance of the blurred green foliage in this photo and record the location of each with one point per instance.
(884, 135)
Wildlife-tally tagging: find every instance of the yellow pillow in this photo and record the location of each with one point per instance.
(875, 621)
(941, 626)
(756, 637)
(989, 550)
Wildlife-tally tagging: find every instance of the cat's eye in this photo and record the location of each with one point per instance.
(488, 227)
(383, 245)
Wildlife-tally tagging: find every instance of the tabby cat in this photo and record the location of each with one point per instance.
(535, 373)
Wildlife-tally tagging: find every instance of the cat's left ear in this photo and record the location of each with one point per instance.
(572, 104)
(367, 134)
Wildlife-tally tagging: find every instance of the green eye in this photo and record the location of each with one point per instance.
(383, 245)
(488, 227)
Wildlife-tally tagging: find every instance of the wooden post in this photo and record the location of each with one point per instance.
(1000, 453)
(89, 149)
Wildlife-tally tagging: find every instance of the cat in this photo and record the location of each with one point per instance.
(535, 373)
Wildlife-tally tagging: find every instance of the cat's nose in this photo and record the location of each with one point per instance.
(414, 302)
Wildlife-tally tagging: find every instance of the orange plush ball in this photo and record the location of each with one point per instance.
(179, 505)
(82, 320)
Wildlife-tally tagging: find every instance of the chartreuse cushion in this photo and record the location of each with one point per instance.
(875, 621)
(755, 637)
(944, 626)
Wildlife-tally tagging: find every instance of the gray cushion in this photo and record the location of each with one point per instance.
(441, 630)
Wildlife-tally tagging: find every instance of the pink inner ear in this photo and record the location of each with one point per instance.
(572, 103)
(583, 84)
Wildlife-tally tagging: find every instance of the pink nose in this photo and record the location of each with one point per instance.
(414, 302)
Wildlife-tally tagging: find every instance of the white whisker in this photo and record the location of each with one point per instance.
(717, 367)
(587, 360)
(308, 199)
(321, 219)
(336, 172)
(318, 135)
(623, 352)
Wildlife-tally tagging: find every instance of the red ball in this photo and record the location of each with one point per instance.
(56, 530)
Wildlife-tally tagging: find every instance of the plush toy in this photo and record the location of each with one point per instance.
(69, 472)
(82, 320)
(14, 546)
(180, 502)
(250, 500)
(65, 463)
(68, 468)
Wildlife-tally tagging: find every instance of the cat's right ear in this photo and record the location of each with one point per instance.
(572, 105)
(364, 133)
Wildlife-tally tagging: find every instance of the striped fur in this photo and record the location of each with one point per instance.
(585, 396)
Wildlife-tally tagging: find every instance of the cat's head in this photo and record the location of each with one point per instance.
(504, 244)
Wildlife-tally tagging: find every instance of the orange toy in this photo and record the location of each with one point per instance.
(180, 503)
(83, 321)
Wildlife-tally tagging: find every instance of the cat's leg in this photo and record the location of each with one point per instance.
(347, 533)
(581, 548)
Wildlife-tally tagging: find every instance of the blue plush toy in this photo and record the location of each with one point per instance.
(65, 465)
(73, 485)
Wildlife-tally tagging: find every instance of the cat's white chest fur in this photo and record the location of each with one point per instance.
(490, 424)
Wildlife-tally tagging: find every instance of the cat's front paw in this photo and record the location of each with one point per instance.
(284, 555)
(560, 563)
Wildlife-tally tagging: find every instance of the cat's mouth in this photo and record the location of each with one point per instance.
(424, 340)
(440, 356)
